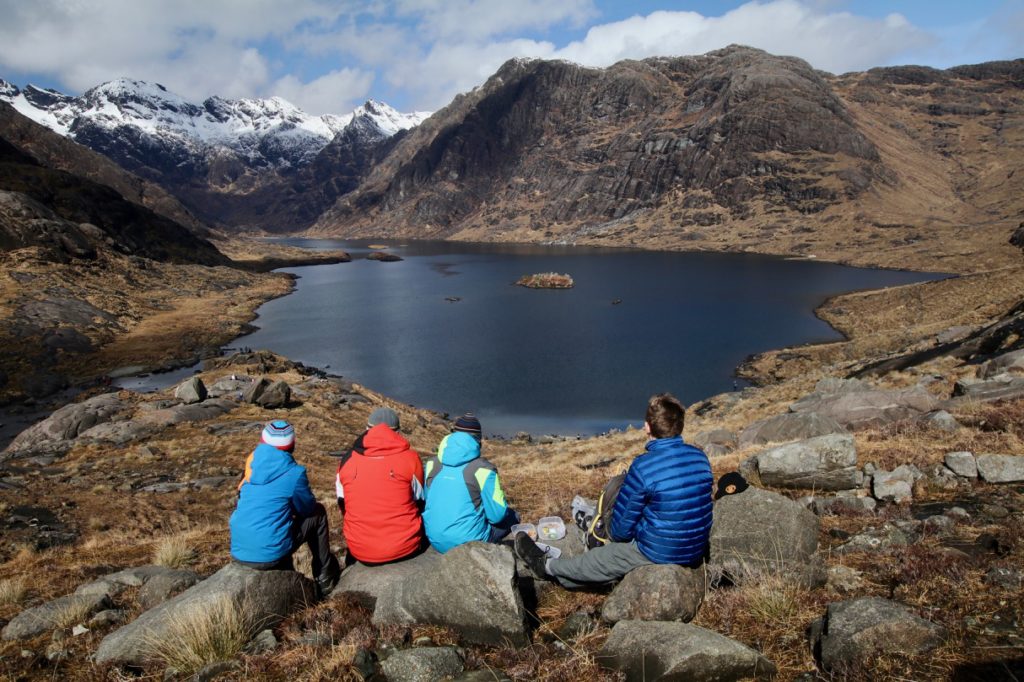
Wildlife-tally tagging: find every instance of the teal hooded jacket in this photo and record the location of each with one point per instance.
(463, 494)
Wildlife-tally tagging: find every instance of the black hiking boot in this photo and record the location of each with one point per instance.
(532, 555)
(328, 579)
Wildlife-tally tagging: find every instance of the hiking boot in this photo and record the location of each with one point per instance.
(533, 556)
(328, 579)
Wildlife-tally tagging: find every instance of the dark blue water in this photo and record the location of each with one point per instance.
(547, 361)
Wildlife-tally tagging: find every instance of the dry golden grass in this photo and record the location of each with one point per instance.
(175, 551)
(210, 632)
(73, 612)
(12, 590)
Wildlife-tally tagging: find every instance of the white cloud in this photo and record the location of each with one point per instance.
(331, 93)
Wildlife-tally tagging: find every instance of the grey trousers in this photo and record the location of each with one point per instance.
(600, 565)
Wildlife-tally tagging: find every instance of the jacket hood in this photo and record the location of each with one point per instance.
(457, 449)
(381, 441)
(269, 463)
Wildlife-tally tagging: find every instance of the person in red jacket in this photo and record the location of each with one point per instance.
(380, 492)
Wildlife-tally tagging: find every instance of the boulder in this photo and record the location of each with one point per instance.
(229, 387)
(266, 597)
(886, 537)
(658, 592)
(192, 390)
(252, 393)
(119, 433)
(962, 464)
(651, 650)
(1001, 468)
(210, 408)
(854, 631)
(720, 437)
(424, 664)
(473, 590)
(868, 408)
(786, 427)
(758, 532)
(822, 463)
(55, 433)
(268, 395)
(366, 584)
(57, 613)
(1006, 363)
(941, 420)
(162, 587)
(896, 485)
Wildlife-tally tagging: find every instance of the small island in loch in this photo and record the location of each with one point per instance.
(384, 257)
(546, 280)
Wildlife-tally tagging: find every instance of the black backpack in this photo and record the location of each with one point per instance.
(597, 530)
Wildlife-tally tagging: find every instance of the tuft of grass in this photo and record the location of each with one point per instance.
(174, 552)
(12, 590)
(73, 612)
(207, 633)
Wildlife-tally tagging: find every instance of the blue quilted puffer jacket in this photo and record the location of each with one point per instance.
(665, 503)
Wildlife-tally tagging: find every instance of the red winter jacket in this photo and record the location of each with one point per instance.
(381, 483)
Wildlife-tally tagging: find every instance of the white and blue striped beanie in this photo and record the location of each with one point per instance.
(279, 434)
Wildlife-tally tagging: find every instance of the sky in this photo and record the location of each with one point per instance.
(328, 56)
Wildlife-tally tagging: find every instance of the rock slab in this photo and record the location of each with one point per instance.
(792, 426)
(266, 596)
(821, 463)
(425, 664)
(473, 589)
(53, 614)
(855, 630)
(366, 584)
(664, 592)
(650, 650)
(962, 464)
(1001, 468)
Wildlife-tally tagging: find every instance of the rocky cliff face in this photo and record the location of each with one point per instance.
(736, 149)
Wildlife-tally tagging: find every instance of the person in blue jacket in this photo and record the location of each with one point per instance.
(662, 514)
(277, 513)
(464, 498)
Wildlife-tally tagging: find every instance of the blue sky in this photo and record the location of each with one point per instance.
(330, 55)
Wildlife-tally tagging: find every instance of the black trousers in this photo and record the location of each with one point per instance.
(311, 531)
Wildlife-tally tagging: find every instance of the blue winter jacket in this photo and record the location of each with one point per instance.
(463, 494)
(276, 491)
(665, 503)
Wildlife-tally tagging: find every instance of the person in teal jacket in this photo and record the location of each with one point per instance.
(277, 513)
(464, 499)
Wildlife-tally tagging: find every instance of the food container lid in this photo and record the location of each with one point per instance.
(551, 528)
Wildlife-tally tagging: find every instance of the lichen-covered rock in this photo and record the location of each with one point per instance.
(962, 464)
(473, 590)
(663, 592)
(856, 630)
(757, 533)
(367, 583)
(791, 426)
(192, 390)
(821, 463)
(423, 664)
(53, 614)
(896, 485)
(651, 651)
(1001, 468)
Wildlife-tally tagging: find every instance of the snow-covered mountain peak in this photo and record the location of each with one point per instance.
(388, 120)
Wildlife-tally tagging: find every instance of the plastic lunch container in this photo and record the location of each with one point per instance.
(527, 528)
(552, 552)
(551, 528)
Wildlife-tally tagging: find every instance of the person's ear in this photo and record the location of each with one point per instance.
(647, 428)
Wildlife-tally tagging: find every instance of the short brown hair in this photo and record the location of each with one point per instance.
(665, 415)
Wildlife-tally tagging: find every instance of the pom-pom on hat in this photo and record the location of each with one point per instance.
(469, 424)
(279, 434)
(384, 415)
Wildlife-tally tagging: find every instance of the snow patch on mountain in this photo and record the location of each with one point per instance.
(272, 131)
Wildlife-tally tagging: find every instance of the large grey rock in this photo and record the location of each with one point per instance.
(53, 614)
(425, 664)
(227, 386)
(792, 426)
(962, 464)
(264, 596)
(649, 651)
(160, 588)
(269, 395)
(113, 584)
(757, 533)
(119, 433)
(822, 463)
(720, 437)
(658, 592)
(999, 387)
(856, 630)
(55, 433)
(473, 589)
(941, 420)
(1001, 468)
(367, 583)
(896, 485)
(1006, 363)
(872, 408)
(192, 390)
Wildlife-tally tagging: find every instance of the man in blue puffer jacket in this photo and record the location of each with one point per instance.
(662, 514)
(277, 513)
(464, 499)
